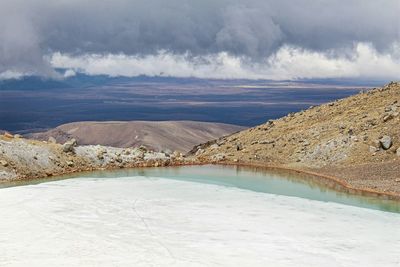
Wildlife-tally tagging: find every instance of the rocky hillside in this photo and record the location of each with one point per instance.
(27, 159)
(356, 138)
(156, 135)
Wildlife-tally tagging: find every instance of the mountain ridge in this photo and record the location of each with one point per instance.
(356, 139)
(156, 135)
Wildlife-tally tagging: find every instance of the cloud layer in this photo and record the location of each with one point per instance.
(198, 38)
(286, 63)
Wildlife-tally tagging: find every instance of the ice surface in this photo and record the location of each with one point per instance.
(137, 221)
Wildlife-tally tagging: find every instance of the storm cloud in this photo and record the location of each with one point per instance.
(253, 32)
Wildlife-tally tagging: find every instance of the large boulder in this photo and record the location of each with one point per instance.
(386, 142)
(52, 140)
(239, 146)
(218, 157)
(69, 146)
(8, 135)
(3, 163)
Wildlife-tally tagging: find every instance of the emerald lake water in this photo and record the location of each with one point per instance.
(194, 216)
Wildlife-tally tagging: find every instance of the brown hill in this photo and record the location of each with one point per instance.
(157, 135)
(356, 139)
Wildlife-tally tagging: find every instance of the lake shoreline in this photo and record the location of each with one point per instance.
(332, 182)
(29, 160)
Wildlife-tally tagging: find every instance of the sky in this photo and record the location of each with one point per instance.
(253, 39)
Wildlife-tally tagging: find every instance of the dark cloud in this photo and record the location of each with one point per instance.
(255, 29)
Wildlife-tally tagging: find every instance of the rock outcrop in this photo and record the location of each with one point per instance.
(27, 159)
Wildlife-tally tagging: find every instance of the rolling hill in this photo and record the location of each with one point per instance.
(156, 135)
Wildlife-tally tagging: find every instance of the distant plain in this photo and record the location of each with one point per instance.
(37, 107)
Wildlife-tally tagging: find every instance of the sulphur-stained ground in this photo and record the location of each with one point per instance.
(356, 139)
(27, 159)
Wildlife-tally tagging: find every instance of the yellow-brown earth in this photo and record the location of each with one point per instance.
(356, 139)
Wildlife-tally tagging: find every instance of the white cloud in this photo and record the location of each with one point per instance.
(233, 35)
(69, 73)
(287, 63)
(10, 75)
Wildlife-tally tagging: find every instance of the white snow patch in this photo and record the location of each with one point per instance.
(141, 221)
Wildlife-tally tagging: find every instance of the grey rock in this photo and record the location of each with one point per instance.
(143, 148)
(391, 108)
(100, 153)
(398, 152)
(239, 146)
(140, 155)
(386, 142)
(177, 155)
(266, 142)
(350, 131)
(214, 146)
(101, 150)
(388, 117)
(167, 152)
(373, 149)
(354, 138)
(199, 152)
(218, 157)
(221, 142)
(3, 163)
(52, 140)
(69, 146)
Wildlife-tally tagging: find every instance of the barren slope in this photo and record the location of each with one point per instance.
(171, 135)
(342, 139)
